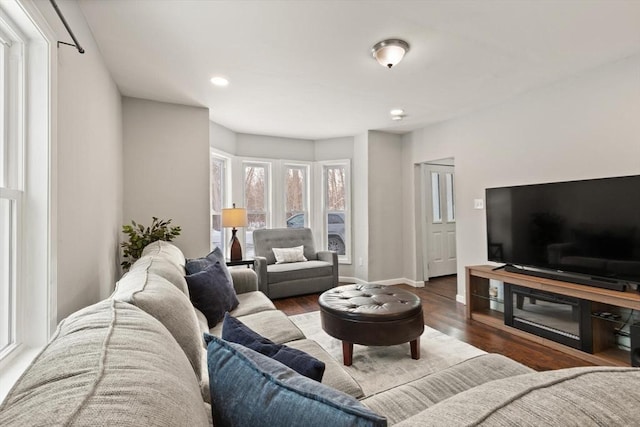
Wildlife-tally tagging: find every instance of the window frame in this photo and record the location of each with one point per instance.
(224, 192)
(33, 127)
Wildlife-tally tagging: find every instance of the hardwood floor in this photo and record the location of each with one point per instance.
(446, 315)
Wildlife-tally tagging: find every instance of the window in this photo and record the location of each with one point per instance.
(256, 201)
(11, 172)
(217, 183)
(295, 191)
(436, 199)
(336, 190)
(451, 211)
(27, 301)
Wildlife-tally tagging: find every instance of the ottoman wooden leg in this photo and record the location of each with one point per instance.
(415, 349)
(347, 353)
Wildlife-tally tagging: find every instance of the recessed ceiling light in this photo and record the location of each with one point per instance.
(219, 81)
(396, 118)
(396, 112)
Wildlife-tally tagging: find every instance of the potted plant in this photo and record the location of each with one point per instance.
(140, 236)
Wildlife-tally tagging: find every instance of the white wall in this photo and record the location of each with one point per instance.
(583, 127)
(333, 149)
(166, 168)
(360, 206)
(89, 168)
(221, 138)
(273, 147)
(385, 206)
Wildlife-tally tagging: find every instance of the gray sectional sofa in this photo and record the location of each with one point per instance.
(138, 358)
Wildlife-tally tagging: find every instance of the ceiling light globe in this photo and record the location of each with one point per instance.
(397, 118)
(396, 112)
(389, 52)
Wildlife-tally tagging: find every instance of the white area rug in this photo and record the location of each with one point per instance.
(379, 368)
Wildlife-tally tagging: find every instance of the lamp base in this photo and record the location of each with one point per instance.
(236, 249)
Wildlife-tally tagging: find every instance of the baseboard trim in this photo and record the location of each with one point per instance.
(345, 279)
(388, 282)
(461, 299)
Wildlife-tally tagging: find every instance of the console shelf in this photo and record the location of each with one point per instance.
(605, 350)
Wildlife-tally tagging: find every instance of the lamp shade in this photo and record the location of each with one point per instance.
(234, 217)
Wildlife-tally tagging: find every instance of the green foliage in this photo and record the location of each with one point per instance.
(140, 236)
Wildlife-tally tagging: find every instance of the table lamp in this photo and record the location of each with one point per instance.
(234, 217)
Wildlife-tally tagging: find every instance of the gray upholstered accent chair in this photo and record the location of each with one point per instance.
(317, 274)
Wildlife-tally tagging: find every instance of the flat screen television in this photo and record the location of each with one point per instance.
(579, 231)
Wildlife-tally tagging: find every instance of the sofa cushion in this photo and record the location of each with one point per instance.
(162, 267)
(108, 364)
(272, 324)
(248, 303)
(252, 302)
(406, 400)
(575, 396)
(235, 331)
(212, 293)
(158, 297)
(249, 389)
(334, 374)
(299, 270)
(165, 250)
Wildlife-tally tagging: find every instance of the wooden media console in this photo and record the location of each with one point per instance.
(484, 306)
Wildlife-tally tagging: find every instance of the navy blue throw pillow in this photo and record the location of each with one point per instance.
(235, 331)
(197, 265)
(212, 293)
(249, 389)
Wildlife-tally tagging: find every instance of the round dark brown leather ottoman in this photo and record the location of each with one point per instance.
(371, 315)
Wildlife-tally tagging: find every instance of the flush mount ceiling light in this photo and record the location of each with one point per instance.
(219, 81)
(397, 114)
(389, 52)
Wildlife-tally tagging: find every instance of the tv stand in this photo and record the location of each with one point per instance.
(484, 306)
(597, 282)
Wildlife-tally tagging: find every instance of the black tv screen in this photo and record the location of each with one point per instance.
(589, 227)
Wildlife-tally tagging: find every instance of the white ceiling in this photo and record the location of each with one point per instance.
(303, 69)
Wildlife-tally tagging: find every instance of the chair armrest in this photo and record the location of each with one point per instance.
(332, 258)
(260, 265)
(244, 280)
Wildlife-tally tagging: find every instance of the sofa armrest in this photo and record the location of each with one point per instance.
(332, 258)
(244, 280)
(260, 265)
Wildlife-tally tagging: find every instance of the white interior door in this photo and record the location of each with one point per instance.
(440, 221)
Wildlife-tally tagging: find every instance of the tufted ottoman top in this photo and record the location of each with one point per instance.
(370, 302)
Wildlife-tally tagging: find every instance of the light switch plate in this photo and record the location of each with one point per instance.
(478, 204)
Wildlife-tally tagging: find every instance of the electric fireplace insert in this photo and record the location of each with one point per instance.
(559, 318)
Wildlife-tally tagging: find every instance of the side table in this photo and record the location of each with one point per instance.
(247, 262)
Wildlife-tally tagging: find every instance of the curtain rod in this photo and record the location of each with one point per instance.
(64, 21)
